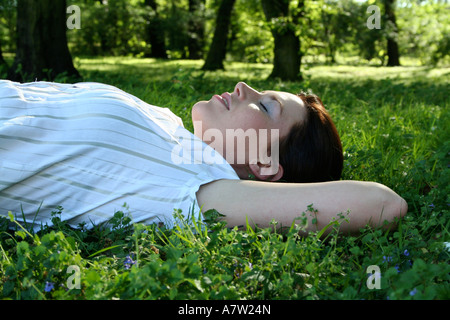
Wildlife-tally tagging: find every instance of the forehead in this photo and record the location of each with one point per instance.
(283, 95)
(293, 110)
(293, 105)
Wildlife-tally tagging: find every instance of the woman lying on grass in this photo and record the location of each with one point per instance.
(91, 148)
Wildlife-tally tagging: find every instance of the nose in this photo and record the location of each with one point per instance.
(243, 90)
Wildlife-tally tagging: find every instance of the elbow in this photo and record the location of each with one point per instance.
(394, 207)
(403, 208)
(398, 207)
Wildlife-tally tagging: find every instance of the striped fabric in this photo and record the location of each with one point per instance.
(91, 149)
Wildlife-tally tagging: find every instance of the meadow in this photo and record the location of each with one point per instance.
(394, 125)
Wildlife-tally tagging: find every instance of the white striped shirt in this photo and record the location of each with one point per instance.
(91, 148)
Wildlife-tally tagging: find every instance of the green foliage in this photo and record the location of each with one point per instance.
(250, 34)
(394, 127)
(328, 29)
(7, 25)
(425, 30)
(113, 28)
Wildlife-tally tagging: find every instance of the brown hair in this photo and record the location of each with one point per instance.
(312, 151)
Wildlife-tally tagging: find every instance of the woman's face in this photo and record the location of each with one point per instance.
(246, 108)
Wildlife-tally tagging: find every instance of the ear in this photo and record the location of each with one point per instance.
(263, 172)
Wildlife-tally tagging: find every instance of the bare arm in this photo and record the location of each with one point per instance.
(368, 202)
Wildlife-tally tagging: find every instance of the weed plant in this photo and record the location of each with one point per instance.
(394, 125)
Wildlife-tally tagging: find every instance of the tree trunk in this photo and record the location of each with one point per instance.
(196, 29)
(287, 56)
(392, 45)
(155, 33)
(42, 52)
(218, 49)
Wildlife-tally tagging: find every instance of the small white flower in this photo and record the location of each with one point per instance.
(447, 245)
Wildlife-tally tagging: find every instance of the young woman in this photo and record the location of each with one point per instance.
(92, 149)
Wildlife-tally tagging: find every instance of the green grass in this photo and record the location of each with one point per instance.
(394, 125)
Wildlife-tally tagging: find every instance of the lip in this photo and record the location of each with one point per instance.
(224, 96)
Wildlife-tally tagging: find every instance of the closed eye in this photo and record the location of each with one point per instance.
(263, 106)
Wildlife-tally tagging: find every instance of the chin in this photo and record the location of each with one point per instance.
(196, 111)
(196, 116)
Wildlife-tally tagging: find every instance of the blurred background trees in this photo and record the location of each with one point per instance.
(41, 42)
(284, 24)
(218, 49)
(285, 33)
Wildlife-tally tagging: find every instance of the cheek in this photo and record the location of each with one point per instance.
(249, 118)
(253, 121)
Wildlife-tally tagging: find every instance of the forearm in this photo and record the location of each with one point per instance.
(261, 202)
